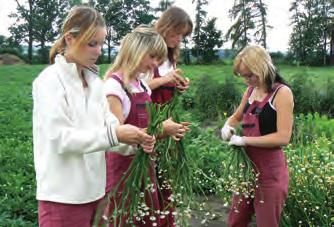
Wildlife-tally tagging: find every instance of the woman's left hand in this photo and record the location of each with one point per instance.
(237, 141)
(148, 144)
(183, 85)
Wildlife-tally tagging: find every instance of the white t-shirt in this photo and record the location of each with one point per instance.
(165, 68)
(113, 87)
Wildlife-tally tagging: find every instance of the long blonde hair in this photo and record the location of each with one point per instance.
(174, 19)
(259, 62)
(81, 22)
(141, 41)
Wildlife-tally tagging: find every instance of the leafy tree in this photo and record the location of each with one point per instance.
(199, 21)
(138, 12)
(121, 16)
(75, 2)
(332, 48)
(2, 40)
(49, 15)
(296, 38)
(37, 21)
(163, 5)
(312, 24)
(209, 40)
(22, 30)
(185, 52)
(239, 32)
(250, 21)
(114, 17)
(259, 14)
(327, 13)
(206, 36)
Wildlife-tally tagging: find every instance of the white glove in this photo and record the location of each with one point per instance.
(226, 132)
(237, 141)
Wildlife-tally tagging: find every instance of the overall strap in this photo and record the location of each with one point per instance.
(250, 89)
(142, 85)
(279, 86)
(116, 77)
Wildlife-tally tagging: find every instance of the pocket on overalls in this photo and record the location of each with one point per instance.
(272, 169)
(142, 115)
(249, 127)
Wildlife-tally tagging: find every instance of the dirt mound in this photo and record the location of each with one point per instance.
(10, 59)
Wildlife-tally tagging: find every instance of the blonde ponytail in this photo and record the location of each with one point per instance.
(81, 22)
(57, 48)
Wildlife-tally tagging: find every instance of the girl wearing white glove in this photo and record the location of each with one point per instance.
(266, 117)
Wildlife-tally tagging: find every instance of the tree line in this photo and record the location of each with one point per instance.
(37, 24)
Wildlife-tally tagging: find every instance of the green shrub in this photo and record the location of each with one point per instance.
(306, 96)
(214, 100)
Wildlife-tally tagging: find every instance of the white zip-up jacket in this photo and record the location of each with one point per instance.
(72, 129)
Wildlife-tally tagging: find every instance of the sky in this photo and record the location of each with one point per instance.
(278, 17)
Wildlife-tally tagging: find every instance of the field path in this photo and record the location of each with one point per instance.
(213, 214)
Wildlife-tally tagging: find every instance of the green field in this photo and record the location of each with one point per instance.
(310, 155)
(319, 74)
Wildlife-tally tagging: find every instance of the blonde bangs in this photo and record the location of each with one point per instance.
(86, 36)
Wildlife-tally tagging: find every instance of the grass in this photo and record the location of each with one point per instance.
(18, 206)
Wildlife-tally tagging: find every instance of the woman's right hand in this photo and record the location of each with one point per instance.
(130, 134)
(175, 77)
(227, 131)
(175, 130)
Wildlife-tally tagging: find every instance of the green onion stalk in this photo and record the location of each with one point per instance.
(136, 185)
(240, 174)
(174, 169)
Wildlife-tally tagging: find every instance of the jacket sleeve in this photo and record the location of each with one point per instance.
(56, 128)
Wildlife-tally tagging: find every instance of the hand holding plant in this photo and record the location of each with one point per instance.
(131, 200)
(240, 173)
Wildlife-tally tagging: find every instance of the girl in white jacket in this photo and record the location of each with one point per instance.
(72, 125)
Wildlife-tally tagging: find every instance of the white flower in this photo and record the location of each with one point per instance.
(152, 218)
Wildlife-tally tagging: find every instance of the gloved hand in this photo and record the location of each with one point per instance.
(227, 131)
(237, 141)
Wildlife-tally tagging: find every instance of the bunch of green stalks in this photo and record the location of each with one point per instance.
(240, 175)
(136, 185)
(174, 168)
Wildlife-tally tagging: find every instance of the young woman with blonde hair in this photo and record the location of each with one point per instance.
(140, 52)
(266, 117)
(72, 125)
(173, 25)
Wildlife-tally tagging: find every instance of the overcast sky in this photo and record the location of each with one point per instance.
(278, 17)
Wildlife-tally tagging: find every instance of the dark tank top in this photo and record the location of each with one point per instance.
(267, 117)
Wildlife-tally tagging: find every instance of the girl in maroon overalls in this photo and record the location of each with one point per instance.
(266, 116)
(173, 25)
(141, 51)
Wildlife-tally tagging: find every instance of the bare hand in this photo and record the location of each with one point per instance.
(183, 85)
(148, 144)
(130, 134)
(175, 130)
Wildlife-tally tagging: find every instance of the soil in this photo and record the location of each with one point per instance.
(212, 214)
(10, 59)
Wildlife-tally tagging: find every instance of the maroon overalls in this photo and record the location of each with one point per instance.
(273, 180)
(118, 164)
(162, 95)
